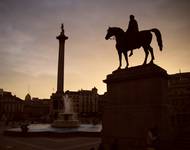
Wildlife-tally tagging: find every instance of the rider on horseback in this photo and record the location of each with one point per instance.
(132, 32)
(143, 39)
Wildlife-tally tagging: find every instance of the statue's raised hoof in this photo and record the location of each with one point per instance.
(130, 55)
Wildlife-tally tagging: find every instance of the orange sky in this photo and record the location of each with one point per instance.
(29, 48)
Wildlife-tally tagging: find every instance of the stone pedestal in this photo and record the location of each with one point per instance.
(136, 103)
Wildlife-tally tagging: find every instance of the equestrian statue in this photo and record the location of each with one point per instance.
(133, 39)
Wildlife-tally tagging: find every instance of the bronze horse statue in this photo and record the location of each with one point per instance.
(123, 43)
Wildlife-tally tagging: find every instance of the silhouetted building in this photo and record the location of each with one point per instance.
(36, 109)
(102, 102)
(179, 96)
(11, 107)
(86, 104)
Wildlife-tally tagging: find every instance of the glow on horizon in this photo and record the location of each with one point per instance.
(29, 48)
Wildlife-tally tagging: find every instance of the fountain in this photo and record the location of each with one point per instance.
(66, 118)
(65, 125)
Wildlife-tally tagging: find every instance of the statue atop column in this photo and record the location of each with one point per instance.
(60, 74)
(62, 27)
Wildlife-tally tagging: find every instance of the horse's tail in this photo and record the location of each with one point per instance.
(158, 37)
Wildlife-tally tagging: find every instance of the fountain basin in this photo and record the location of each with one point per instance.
(65, 124)
(46, 130)
(66, 120)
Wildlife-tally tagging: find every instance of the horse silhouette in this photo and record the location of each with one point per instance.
(123, 42)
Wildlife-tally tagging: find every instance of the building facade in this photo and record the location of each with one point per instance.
(37, 110)
(86, 104)
(11, 107)
(179, 97)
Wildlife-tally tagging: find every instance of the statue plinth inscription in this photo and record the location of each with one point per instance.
(136, 103)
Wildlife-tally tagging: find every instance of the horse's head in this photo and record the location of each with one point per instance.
(110, 33)
(113, 31)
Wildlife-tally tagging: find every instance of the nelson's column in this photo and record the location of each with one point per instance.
(57, 97)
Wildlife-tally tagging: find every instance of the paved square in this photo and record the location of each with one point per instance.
(43, 143)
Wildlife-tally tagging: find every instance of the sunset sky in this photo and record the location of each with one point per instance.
(29, 48)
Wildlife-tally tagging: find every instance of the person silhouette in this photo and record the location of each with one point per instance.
(133, 25)
(132, 32)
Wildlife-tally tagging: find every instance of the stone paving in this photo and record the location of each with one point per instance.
(78, 143)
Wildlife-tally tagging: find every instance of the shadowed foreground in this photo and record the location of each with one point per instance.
(42, 143)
